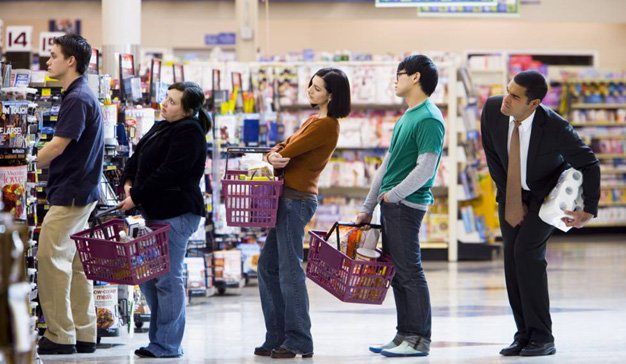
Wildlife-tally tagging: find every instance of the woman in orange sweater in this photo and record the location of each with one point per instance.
(303, 156)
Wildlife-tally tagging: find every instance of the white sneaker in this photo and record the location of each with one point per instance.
(404, 349)
(378, 348)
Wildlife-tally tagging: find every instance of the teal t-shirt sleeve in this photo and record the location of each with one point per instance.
(429, 136)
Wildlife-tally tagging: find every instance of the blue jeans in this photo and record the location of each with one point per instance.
(401, 225)
(284, 297)
(166, 294)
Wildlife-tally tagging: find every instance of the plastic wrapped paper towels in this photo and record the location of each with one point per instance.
(566, 195)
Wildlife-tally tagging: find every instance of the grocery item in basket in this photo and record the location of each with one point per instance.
(136, 226)
(124, 238)
(259, 171)
(367, 248)
(349, 240)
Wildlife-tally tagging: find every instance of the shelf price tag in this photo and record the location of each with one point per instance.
(46, 41)
(19, 39)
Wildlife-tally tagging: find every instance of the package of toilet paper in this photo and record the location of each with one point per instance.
(566, 195)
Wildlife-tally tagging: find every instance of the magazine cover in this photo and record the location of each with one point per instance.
(13, 190)
(13, 129)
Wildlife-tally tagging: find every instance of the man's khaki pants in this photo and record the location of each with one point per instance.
(65, 294)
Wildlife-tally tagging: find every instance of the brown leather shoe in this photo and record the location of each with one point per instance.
(282, 353)
(261, 351)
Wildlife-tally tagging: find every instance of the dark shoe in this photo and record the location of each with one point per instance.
(538, 349)
(48, 347)
(261, 351)
(85, 347)
(514, 349)
(282, 353)
(144, 353)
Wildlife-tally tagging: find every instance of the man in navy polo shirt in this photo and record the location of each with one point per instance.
(74, 158)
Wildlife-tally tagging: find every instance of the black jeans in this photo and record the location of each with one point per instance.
(525, 273)
(401, 225)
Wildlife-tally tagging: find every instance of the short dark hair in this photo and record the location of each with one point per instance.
(427, 69)
(337, 84)
(192, 101)
(73, 45)
(534, 83)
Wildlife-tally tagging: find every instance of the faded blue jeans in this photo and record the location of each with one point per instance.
(166, 294)
(401, 225)
(284, 297)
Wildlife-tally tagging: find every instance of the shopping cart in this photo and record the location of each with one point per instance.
(350, 280)
(250, 203)
(106, 259)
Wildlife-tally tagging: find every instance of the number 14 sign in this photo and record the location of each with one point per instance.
(19, 39)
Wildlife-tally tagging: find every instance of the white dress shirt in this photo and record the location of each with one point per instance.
(524, 140)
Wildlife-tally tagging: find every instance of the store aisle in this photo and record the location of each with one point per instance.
(471, 318)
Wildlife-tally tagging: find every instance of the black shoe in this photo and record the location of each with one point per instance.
(282, 353)
(514, 349)
(261, 351)
(85, 347)
(48, 347)
(144, 353)
(538, 349)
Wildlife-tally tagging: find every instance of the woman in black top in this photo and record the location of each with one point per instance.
(162, 178)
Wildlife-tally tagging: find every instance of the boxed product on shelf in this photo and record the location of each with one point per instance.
(227, 265)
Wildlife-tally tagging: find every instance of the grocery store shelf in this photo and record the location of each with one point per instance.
(613, 170)
(349, 192)
(598, 106)
(610, 155)
(598, 123)
(606, 224)
(610, 204)
(434, 245)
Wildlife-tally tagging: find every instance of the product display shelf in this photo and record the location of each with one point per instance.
(596, 107)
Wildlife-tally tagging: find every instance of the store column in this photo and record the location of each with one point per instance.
(121, 32)
(247, 31)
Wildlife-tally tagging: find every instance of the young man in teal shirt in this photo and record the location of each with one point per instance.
(402, 186)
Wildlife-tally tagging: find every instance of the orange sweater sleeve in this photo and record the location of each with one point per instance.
(312, 136)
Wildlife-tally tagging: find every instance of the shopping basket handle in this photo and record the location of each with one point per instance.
(350, 224)
(107, 211)
(248, 150)
(242, 150)
(97, 221)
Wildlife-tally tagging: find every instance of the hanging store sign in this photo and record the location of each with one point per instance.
(46, 41)
(220, 39)
(503, 8)
(19, 39)
(438, 3)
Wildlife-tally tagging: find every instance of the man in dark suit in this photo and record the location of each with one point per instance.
(528, 146)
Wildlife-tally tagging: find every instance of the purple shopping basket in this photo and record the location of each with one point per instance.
(350, 280)
(106, 259)
(251, 203)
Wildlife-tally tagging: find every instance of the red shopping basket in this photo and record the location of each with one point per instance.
(250, 203)
(350, 280)
(134, 262)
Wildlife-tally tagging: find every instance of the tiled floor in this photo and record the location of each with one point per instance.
(471, 317)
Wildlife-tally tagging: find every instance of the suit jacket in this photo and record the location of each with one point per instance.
(554, 147)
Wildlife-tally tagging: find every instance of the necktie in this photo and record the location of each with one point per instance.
(514, 210)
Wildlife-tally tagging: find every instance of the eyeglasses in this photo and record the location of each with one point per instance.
(398, 74)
